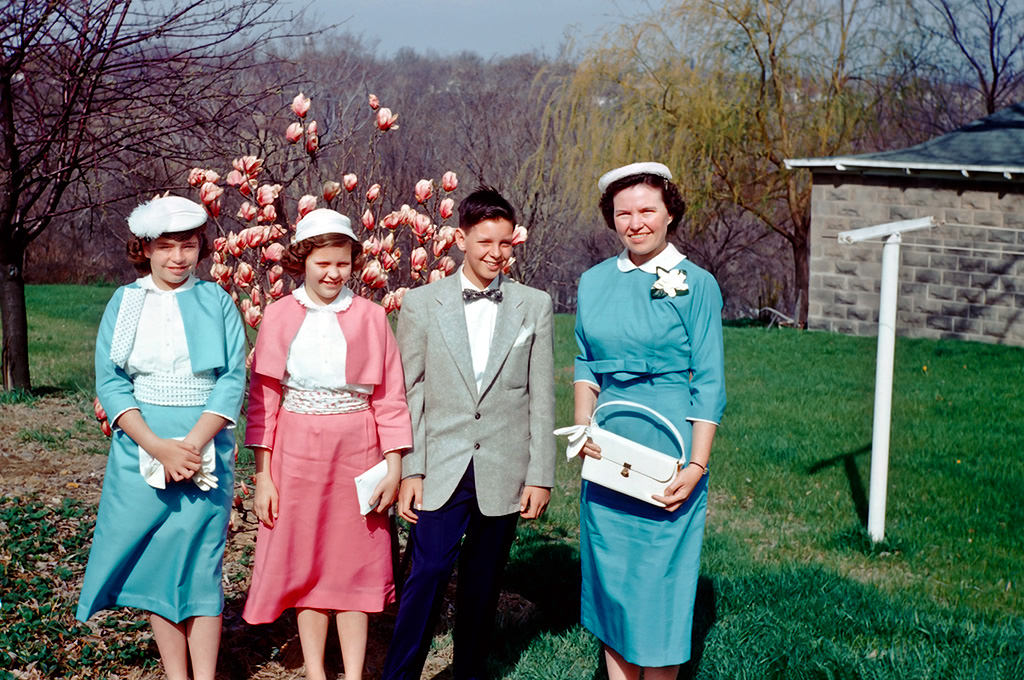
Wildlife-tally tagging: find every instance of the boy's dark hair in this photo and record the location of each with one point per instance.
(485, 203)
(294, 260)
(669, 194)
(133, 247)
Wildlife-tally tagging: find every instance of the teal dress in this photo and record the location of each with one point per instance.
(639, 562)
(161, 550)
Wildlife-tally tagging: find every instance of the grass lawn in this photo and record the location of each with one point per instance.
(790, 586)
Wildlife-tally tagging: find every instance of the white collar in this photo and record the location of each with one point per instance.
(666, 259)
(466, 283)
(338, 304)
(146, 283)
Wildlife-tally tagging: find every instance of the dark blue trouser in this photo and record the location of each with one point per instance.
(434, 542)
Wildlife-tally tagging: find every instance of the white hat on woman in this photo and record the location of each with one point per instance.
(645, 168)
(165, 215)
(323, 221)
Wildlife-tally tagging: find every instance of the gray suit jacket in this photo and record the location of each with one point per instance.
(506, 428)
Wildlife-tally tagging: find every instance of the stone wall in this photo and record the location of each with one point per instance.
(963, 279)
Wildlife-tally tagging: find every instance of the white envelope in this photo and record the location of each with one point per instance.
(367, 482)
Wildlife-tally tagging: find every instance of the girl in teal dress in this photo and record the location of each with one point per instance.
(170, 372)
(649, 329)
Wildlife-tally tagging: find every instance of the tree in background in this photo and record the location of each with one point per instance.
(722, 91)
(91, 85)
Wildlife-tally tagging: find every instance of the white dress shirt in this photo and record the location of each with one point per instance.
(480, 317)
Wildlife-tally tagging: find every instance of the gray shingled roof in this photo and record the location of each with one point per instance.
(990, 145)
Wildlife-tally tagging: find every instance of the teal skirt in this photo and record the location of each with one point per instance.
(640, 563)
(160, 550)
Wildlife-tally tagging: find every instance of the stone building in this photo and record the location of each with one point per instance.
(962, 279)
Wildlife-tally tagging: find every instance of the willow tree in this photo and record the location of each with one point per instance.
(722, 91)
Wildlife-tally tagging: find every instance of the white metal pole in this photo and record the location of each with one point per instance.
(883, 387)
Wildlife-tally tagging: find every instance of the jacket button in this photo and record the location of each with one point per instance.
(477, 445)
(477, 415)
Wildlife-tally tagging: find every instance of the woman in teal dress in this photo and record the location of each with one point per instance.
(649, 329)
(170, 372)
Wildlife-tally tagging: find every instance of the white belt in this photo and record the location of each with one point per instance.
(324, 402)
(174, 390)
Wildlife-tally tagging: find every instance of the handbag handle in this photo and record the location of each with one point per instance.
(633, 404)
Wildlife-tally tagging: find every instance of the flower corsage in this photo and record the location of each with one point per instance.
(670, 283)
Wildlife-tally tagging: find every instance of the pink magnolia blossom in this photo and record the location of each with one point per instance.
(371, 246)
(386, 119)
(243, 274)
(391, 220)
(294, 132)
(388, 303)
(371, 270)
(268, 213)
(507, 268)
(449, 181)
(253, 237)
(349, 181)
(424, 190)
(446, 208)
(443, 240)
(372, 193)
(248, 366)
(214, 208)
(331, 189)
(276, 231)
(368, 220)
(97, 409)
(267, 194)
(254, 295)
(435, 275)
(300, 105)
(274, 274)
(253, 316)
(306, 203)
(218, 257)
(276, 289)
(247, 187)
(273, 253)
(210, 192)
(312, 138)
(234, 178)
(250, 166)
(380, 281)
(196, 176)
(418, 258)
(421, 226)
(519, 235)
(220, 243)
(221, 273)
(247, 211)
(389, 260)
(211, 175)
(446, 264)
(400, 295)
(234, 246)
(374, 101)
(387, 243)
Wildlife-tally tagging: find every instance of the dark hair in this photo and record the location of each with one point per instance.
(669, 194)
(138, 258)
(485, 203)
(294, 260)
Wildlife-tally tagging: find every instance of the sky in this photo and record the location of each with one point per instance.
(488, 27)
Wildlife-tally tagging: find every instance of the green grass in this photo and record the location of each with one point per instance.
(791, 586)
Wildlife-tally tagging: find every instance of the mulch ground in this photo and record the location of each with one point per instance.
(52, 450)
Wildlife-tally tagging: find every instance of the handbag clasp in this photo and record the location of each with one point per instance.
(625, 470)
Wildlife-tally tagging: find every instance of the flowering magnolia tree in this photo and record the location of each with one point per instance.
(404, 245)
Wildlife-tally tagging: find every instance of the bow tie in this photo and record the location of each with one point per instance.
(492, 294)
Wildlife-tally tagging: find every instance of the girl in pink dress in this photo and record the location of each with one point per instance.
(326, 403)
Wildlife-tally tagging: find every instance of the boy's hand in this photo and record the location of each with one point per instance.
(410, 498)
(534, 501)
(265, 502)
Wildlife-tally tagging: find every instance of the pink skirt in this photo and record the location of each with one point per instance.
(321, 553)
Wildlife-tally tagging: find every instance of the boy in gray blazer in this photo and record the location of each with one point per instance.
(477, 349)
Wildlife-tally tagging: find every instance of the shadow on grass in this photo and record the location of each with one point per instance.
(849, 462)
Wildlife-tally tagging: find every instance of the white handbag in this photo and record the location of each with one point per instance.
(626, 466)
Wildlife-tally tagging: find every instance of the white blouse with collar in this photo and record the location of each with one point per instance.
(160, 346)
(316, 357)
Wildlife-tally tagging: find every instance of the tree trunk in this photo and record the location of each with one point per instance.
(801, 276)
(15, 319)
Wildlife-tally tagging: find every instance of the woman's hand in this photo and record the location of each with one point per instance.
(180, 459)
(590, 449)
(386, 492)
(265, 502)
(680, 488)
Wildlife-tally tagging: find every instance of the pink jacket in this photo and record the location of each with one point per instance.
(372, 359)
